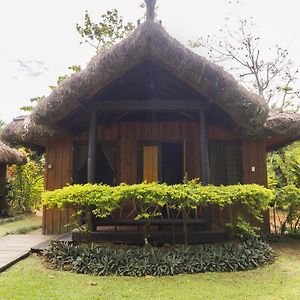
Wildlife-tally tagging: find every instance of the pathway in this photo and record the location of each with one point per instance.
(16, 247)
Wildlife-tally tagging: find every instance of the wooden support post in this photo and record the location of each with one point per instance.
(91, 170)
(204, 161)
(92, 148)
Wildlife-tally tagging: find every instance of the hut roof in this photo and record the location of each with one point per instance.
(23, 130)
(150, 40)
(11, 156)
(285, 123)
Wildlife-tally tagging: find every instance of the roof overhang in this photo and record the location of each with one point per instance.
(150, 40)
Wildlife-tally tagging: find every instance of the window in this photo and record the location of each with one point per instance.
(105, 163)
(225, 159)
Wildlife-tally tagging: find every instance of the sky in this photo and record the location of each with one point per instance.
(38, 40)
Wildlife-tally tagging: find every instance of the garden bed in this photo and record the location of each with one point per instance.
(164, 261)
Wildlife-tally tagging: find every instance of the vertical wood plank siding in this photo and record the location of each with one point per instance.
(59, 153)
(255, 155)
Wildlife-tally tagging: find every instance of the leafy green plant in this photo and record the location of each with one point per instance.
(25, 229)
(165, 261)
(284, 166)
(288, 200)
(12, 219)
(243, 230)
(148, 198)
(26, 184)
(154, 200)
(101, 35)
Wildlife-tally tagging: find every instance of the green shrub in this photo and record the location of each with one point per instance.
(25, 229)
(166, 261)
(149, 198)
(288, 199)
(26, 184)
(12, 219)
(243, 230)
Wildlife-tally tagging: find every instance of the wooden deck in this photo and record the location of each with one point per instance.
(13, 248)
(67, 237)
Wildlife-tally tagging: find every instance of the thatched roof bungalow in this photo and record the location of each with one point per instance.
(11, 156)
(150, 109)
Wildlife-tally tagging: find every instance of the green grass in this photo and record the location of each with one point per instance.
(30, 279)
(27, 222)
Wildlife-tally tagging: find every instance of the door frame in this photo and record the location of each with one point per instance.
(158, 143)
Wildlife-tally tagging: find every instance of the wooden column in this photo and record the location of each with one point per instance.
(91, 170)
(205, 176)
(204, 161)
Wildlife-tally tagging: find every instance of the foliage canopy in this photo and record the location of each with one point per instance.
(147, 199)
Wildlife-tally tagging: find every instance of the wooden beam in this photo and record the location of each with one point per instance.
(121, 116)
(204, 161)
(92, 148)
(187, 115)
(148, 105)
(205, 176)
(91, 169)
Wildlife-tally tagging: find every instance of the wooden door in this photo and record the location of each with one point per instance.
(150, 163)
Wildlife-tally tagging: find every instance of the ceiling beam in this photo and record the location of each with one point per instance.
(148, 105)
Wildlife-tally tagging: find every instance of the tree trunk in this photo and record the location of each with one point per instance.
(3, 199)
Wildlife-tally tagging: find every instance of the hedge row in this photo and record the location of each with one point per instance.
(166, 261)
(192, 194)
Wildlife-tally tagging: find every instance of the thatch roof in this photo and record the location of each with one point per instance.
(11, 156)
(151, 40)
(23, 130)
(285, 123)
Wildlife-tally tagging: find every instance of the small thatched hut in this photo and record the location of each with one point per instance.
(150, 109)
(7, 156)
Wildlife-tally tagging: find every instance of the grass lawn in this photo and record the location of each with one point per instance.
(30, 279)
(28, 220)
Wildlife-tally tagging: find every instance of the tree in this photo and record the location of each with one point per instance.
(284, 166)
(284, 176)
(33, 101)
(272, 75)
(26, 184)
(109, 30)
(103, 34)
(74, 69)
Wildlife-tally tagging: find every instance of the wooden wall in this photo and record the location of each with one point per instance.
(127, 134)
(59, 154)
(59, 160)
(254, 161)
(254, 156)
